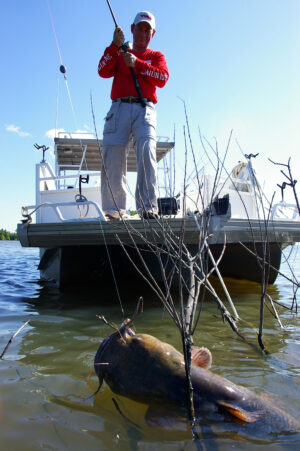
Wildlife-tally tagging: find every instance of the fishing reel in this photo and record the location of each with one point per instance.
(126, 46)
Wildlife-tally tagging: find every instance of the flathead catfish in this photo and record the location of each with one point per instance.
(147, 370)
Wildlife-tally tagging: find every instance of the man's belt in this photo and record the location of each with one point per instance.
(131, 100)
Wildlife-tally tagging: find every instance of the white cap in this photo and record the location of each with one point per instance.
(145, 16)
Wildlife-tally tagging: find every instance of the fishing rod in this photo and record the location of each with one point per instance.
(125, 47)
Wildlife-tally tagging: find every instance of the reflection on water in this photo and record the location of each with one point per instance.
(47, 375)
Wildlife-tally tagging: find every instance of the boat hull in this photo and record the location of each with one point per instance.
(80, 265)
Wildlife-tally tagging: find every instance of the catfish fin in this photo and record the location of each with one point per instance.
(239, 413)
(201, 357)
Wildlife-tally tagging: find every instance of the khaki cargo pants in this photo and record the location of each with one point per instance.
(123, 121)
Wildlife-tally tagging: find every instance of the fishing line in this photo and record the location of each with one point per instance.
(54, 32)
(100, 223)
(62, 67)
(56, 114)
(63, 71)
(112, 270)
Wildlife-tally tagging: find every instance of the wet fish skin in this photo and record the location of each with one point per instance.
(147, 370)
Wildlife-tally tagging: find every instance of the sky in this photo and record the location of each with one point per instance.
(235, 63)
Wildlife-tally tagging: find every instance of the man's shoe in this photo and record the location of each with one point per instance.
(149, 214)
(113, 215)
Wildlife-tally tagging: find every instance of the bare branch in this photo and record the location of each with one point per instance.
(11, 339)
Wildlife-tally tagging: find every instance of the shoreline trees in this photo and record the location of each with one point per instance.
(6, 235)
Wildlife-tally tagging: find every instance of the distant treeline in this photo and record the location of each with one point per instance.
(5, 235)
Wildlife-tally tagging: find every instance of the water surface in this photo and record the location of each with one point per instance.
(48, 372)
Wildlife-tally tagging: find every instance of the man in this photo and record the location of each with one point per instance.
(128, 117)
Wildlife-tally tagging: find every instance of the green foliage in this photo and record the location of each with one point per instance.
(5, 235)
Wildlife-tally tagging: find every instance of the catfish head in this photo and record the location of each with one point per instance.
(144, 368)
(108, 345)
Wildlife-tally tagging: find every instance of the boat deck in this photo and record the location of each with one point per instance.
(94, 232)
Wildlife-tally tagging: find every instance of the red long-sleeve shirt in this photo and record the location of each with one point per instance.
(150, 68)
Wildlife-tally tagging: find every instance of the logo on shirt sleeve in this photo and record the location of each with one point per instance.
(104, 61)
(154, 74)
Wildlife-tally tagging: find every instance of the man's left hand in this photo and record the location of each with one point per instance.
(129, 59)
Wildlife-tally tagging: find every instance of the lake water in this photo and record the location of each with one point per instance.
(47, 373)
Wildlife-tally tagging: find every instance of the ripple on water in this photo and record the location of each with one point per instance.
(18, 268)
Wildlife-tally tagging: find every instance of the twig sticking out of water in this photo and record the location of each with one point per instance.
(139, 306)
(101, 317)
(264, 261)
(11, 339)
(265, 272)
(177, 264)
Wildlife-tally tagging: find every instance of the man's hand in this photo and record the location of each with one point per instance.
(129, 59)
(118, 38)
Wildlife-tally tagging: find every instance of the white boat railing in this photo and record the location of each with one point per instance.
(60, 197)
(285, 211)
(55, 206)
(65, 177)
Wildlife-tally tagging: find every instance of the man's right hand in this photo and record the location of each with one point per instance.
(118, 38)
